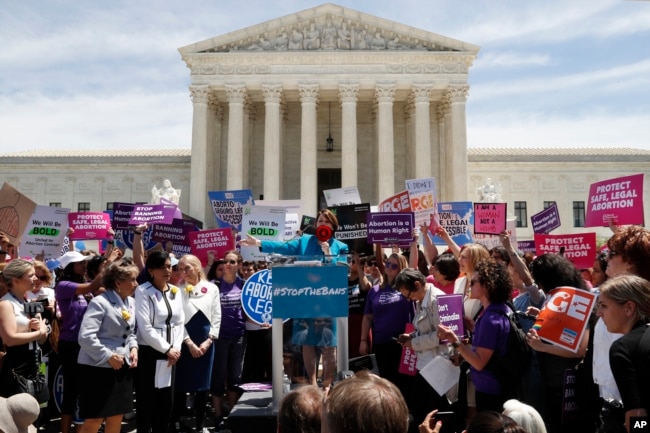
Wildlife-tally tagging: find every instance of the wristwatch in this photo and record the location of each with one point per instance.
(455, 344)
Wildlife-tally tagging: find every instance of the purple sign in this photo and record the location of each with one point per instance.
(121, 215)
(177, 232)
(152, 214)
(450, 310)
(526, 246)
(390, 227)
(546, 221)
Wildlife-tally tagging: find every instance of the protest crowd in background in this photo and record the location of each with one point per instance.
(441, 324)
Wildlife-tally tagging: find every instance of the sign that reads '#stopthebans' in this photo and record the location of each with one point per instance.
(310, 291)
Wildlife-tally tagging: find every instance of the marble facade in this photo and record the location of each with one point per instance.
(263, 98)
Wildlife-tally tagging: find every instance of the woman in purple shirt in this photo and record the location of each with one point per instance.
(492, 287)
(387, 312)
(72, 293)
(230, 347)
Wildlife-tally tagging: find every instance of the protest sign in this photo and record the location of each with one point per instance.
(153, 214)
(457, 218)
(342, 196)
(45, 232)
(422, 197)
(491, 241)
(409, 359)
(490, 218)
(388, 228)
(526, 246)
(264, 223)
(310, 291)
(89, 225)
(580, 249)
(450, 310)
(216, 241)
(257, 297)
(291, 226)
(352, 227)
(563, 319)
(619, 199)
(308, 224)
(546, 221)
(397, 203)
(227, 207)
(121, 215)
(15, 211)
(177, 232)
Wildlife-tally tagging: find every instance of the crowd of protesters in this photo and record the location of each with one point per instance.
(176, 333)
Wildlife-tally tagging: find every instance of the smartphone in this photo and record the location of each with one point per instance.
(448, 421)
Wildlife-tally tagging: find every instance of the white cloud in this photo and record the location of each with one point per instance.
(595, 130)
(495, 59)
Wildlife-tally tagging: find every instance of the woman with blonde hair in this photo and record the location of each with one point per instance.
(20, 333)
(202, 308)
(624, 306)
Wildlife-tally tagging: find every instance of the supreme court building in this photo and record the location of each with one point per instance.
(327, 97)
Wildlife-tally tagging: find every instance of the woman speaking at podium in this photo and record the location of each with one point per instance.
(310, 246)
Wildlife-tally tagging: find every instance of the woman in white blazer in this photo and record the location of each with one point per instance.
(159, 317)
(109, 351)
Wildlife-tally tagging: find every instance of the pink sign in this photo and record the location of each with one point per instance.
(409, 357)
(89, 225)
(397, 203)
(580, 249)
(216, 241)
(490, 218)
(619, 200)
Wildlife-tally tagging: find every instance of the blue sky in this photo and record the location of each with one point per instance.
(101, 75)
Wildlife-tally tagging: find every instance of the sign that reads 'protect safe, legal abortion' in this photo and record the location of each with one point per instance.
(215, 241)
(619, 200)
(580, 249)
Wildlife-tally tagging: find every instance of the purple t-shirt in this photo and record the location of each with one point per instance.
(72, 309)
(491, 332)
(233, 321)
(390, 313)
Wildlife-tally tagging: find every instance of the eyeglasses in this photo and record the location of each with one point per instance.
(472, 282)
(392, 266)
(408, 294)
(231, 262)
(611, 253)
(43, 277)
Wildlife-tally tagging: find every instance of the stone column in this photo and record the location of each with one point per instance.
(445, 175)
(272, 151)
(308, 156)
(385, 95)
(458, 134)
(199, 159)
(348, 95)
(421, 98)
(214, 151)
(236, 95)
(410, 155)
(250, 116)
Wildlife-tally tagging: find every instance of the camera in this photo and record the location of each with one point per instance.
(34, 308)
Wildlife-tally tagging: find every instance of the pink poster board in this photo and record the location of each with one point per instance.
(89, 225)
(490, 218)
(580, 249)
(216, 241)
(619, 199)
